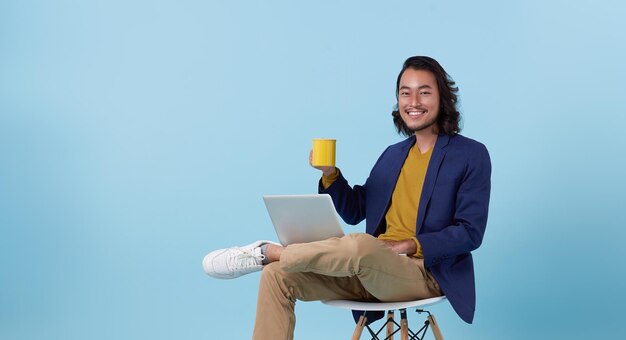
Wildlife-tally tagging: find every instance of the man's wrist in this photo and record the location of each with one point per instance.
(329, 172)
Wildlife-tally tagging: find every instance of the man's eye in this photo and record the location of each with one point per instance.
(424, 92)
(404, 93)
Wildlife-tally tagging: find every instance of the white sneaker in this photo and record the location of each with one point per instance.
(230, 263)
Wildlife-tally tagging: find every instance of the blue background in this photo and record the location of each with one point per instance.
(136, 136)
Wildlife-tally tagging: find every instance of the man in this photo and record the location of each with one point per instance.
(425, 203)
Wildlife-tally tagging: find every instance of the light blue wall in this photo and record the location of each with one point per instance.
(135, 136)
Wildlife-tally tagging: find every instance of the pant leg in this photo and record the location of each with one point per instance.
(354, 267)
(279, 290)
(383, 273)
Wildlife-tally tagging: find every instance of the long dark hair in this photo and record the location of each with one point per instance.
(449, 117)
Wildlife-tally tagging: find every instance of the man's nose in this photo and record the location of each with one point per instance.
(415, 100)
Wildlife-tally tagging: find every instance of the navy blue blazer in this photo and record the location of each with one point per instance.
(452, 213)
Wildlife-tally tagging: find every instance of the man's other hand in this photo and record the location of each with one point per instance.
(407, 247)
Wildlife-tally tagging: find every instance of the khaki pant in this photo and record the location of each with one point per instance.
(354, 267)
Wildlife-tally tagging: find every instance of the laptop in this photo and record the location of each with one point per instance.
(303, 218)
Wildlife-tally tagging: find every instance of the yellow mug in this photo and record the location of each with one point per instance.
(324, 152)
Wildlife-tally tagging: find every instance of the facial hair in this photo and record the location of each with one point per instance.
(423, 126)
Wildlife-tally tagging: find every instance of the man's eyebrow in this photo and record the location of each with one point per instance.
(419, 88)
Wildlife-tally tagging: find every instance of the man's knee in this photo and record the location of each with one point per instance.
(273, 273)
(271, 270)
(360, 244)
(361, 237)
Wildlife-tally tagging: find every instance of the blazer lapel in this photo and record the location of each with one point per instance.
(431, 177)
(396, 166)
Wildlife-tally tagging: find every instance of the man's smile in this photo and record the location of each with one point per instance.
(415, 113)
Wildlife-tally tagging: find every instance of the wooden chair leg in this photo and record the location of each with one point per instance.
(359, 328)
(404, 325)
(435, 327)
(390, 325)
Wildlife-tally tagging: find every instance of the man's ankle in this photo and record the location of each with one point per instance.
(272, 253)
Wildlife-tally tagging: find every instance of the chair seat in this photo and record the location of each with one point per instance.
(383, 306)
(390, 324)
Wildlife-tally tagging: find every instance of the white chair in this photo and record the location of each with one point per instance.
(391, 325)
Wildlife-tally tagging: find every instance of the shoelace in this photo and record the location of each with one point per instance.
(245, 259)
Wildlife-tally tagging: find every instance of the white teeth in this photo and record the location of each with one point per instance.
(415, 113)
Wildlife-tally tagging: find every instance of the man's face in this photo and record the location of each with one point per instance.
(418, 100)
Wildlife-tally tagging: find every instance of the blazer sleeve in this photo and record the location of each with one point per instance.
(349, 202)
(470, 216)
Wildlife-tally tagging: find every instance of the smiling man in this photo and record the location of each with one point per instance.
(425, 203)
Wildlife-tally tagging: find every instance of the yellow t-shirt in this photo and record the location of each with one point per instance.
(402, 214)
